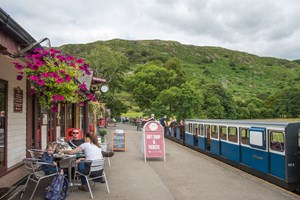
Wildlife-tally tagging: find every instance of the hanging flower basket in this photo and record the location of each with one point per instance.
(54, 77)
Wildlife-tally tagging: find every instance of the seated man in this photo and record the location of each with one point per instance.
(75, 141)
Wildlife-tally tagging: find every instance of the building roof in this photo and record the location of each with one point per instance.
(14, 30)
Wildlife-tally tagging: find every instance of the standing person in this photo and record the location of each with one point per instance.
(48, 157)
(91, 151)
(164, 123)
(152, 118)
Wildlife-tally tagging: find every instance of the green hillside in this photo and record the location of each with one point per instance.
(242, 74)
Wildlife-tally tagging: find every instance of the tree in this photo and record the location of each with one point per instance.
(147, 82)
(219, 103)
(108, 64)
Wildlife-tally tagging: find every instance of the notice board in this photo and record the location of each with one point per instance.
(119, 140)
(154, 141)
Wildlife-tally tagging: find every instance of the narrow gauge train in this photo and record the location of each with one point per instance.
(269, 150)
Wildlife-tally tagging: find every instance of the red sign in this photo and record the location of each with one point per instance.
(154, 142)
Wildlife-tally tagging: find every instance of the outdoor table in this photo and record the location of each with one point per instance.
(70, 160)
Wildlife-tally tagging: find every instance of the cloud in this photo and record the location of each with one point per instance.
(264, 28)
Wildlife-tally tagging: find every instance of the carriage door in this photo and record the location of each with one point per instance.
(195, 134)
(207, 136)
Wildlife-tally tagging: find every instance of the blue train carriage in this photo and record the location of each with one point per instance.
(270, 150)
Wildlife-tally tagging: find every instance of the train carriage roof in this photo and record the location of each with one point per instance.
(275, 122)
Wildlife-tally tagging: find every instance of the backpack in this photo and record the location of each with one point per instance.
(58, 188)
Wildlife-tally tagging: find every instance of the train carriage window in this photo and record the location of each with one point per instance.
(201, 131)
(277, 141)
(195, 129)
(244, 135)
(187, 127)
(207, 130)
(223, 133)
(214, 131)
(232, 134)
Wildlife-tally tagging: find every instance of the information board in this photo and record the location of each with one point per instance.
(153, 141)
(119, 140)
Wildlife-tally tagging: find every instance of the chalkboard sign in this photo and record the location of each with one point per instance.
(119, 140)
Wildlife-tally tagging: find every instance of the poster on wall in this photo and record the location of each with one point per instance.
(18, 99)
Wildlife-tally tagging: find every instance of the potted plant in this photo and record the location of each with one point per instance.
(55, 78)
(102, 133)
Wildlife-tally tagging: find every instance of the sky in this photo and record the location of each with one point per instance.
(268, 28)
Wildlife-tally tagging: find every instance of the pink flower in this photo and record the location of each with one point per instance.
(54, 75)
(62, 98)
(34, 78)
(45, 74)
(40, 82)
(59, 80)
(82, 87)
(38, 63)
(91, 97)
(54, 109)
(81, 103)
(54, 98)
(79, 61)
(68, 79)
(32, 91)
(18, 66)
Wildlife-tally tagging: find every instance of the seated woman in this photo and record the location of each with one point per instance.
(91, 151)
(75, 141)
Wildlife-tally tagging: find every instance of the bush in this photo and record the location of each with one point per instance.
(102, 132)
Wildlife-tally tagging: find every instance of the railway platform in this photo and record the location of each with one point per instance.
(185, 175)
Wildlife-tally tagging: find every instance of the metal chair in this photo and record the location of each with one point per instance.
(104, 147)
(33, 167)
(35, 153)
(95, 166)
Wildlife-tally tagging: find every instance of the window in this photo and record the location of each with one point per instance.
(232, 134)
(244, 135)
(3, 114)
(277, 141)
(207, 130)
(223, 134)
(214, 131)
(201, 131)
(195, 129)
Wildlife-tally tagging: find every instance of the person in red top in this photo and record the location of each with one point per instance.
(101, 123)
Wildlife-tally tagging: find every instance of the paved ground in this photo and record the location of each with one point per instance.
(186, 175)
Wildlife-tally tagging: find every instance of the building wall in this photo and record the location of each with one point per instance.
(16, 122)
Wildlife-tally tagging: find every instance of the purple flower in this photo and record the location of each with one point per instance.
(32, 91)
(87, 72)
(81, 103)
(19, 77)
(82, 68)
(62, 71)
(34, 67)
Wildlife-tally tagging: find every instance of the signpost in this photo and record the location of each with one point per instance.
(153, 141)
(119, 140)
